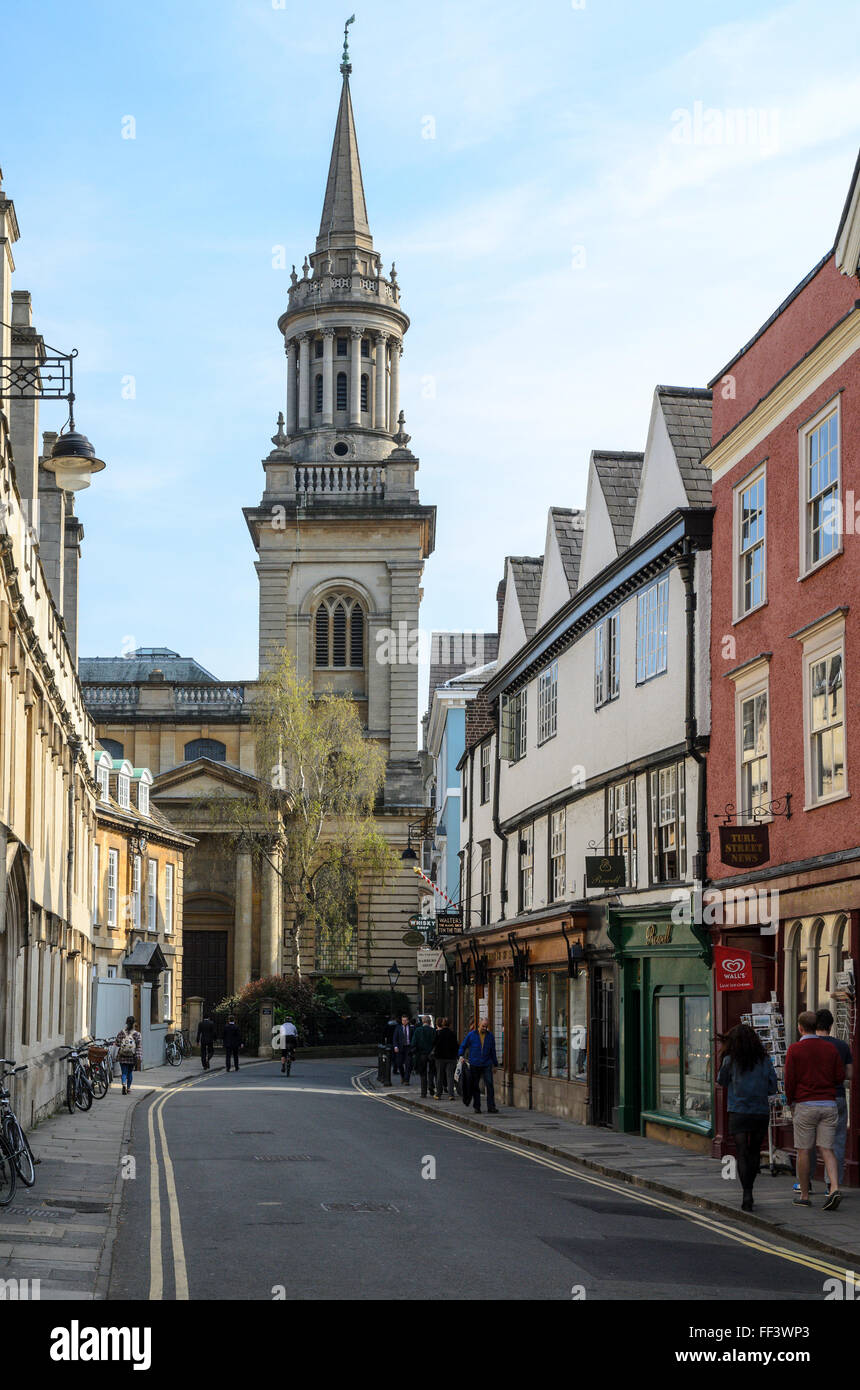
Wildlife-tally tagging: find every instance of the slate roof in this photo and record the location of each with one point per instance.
(527, 570)
(687, 412)
(450, 652)
(569, 530)
(619, 475)
(137, 666)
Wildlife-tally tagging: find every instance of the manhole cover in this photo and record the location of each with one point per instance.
(286, 1158)
(359, 1206)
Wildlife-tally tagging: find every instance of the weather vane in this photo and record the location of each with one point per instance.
(345, 61)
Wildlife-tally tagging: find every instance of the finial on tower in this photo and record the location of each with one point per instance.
(280, 439)
(401, 438)
(345, 64)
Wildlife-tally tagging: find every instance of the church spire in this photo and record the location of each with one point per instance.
(344, 216)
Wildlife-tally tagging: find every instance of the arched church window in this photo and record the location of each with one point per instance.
(206, 748)
(341, 391)
(318, 390)
(364, 405)
(339, 626)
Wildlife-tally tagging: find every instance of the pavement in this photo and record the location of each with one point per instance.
(651, 1165)
(60, 1231)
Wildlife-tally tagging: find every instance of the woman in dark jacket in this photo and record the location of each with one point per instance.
(747, 1071)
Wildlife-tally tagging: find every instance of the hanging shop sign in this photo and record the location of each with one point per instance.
(605, 871)
(430, 960)
(448, 922)
(744, 846)
(413, 938)
(732, 968)
(422, 923)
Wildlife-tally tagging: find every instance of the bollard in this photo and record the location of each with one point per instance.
(383, 1066)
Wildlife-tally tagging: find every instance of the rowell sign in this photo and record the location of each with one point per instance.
(732, 968)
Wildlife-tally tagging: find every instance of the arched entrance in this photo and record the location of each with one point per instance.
(207, 949)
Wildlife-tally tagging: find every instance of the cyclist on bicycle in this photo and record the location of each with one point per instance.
(288, 1039)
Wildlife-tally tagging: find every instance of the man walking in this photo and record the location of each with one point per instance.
(206, 1039)
(823, 1025)
(479, 1049)
(403, 1043)
(813, 1070)
(232, 1042)
(424, 1040)
(446, 1058)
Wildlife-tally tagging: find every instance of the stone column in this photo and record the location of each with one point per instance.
(270, 935)
(242, 923)
(328, 376)
(396, 349)
(304, 381)
(355, 377)
(292, 423)
(380, 420)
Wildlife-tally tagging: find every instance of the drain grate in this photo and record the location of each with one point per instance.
(360, 1206)
(286, 1158)
(53, 1215)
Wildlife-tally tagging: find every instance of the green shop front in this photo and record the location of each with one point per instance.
(665, 1026)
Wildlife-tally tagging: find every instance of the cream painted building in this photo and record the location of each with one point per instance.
(341, 538)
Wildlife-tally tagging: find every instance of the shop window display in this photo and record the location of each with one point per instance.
(579, 1027)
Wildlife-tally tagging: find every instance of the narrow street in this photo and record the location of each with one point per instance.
(310, 1185)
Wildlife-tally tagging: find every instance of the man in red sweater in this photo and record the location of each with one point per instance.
(813, 1070)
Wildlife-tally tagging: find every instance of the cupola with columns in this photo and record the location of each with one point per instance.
(343, 329)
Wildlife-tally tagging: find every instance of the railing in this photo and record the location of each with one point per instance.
(340, 479)
(211, 696)
(111, 696)
(353, 284)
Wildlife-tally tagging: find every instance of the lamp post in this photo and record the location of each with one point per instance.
(73, 458)
(393, 977)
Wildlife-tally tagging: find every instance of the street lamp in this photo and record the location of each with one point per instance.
(393, 977)
(73, 458)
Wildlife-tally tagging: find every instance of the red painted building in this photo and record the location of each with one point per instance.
(785, 651)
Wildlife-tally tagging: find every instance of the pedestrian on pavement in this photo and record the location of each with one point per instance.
(748, 1073)
(424, 1040)
(390, 1029)
(206, 1039)
(129, 1051)
(403, 1047)
(823, 1025)
(445, 1050)
(232, 1042)
(479, 1049)
(813, 1070)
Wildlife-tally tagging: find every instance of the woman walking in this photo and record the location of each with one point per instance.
(129, 1048)
(747, 1071)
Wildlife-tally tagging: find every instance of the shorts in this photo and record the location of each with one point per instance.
(815, 1125)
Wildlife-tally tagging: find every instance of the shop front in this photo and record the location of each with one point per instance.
(665, 1026)
(532, 983)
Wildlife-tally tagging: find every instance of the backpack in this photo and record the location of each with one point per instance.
(128, 1047)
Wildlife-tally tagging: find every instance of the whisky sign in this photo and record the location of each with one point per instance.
(605, 871)
(744, 846)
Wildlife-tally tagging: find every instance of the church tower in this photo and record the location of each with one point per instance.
(340, 533)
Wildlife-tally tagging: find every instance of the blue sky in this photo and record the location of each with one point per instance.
(577, 231)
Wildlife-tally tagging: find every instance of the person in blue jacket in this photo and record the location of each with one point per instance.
(479, 1049)
(748, 1073)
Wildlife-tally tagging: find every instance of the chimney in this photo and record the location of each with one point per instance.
(8, 236)
(73, 535)
(52, 526)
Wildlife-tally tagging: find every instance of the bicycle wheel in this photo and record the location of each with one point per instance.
(16, 1141)
(70, 1094)
(83, 1092)
(8, 1174)
(289, 1062)
(174, 1056)
(99, 1081)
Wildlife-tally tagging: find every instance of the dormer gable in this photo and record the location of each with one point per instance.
(673, 476)
(561, 560)
(122, 772)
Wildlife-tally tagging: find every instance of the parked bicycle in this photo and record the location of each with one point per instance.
(16, 1156)
(172, 1052)
(79, 1088)
(98, 1066)
(184, 1042)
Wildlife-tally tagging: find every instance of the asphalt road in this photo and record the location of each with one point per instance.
(303, 1187)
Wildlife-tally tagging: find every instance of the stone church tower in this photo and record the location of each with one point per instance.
(340, 532)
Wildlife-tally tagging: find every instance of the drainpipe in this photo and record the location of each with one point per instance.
(700, 859)
(503, 875)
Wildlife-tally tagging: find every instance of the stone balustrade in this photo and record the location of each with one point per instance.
(216, 696)
(342, 480)
(360, 286)
(111, 696)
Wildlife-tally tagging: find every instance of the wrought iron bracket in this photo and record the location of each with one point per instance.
(756, 813)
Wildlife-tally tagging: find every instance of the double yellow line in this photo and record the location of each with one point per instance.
(156, 1265)
(698, 1218)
